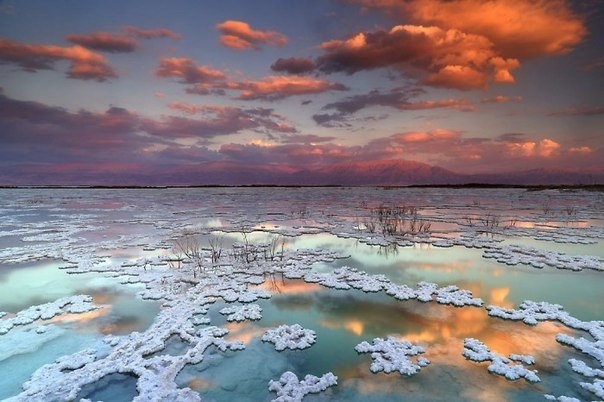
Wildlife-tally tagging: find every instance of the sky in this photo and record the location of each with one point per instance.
(233, 92)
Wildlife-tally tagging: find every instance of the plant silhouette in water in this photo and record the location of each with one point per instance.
(216, 248)
(397, 220)
(274, 248)
(189, 246)
(245, 251)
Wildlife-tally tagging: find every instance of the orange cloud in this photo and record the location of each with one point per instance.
(275, 87)
(438, 57)
(239, 35)
(456, 76)
(462, 44)
(518, 29)
(85, 64)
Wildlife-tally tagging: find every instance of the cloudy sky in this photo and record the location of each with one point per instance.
(151, 91)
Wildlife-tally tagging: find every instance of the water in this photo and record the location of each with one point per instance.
(46, 235)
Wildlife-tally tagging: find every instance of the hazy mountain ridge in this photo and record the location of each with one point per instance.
(364, 173)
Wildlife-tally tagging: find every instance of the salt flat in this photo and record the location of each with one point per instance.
(183, 294)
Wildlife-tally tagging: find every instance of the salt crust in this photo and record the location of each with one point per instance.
(290, 389)
(345, 278)
(393, 354)
(550, 397)
(170, 286)
(242, 313)
(531, 313)
(65, 305)
(290, 337)
(537, 258)
(137, 354)
(477, 351)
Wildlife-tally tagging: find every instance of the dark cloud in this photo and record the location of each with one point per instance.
(306, 139)
(150, 33)
(231, 119)
(294, 65)
(104, 42)
(400, 99)
(579, 111)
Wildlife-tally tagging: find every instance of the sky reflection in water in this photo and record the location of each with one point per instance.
(341, 319)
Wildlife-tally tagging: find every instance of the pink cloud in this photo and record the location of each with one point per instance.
(207, 80)
(239, 35)
(172, 148)
(581, 150)
(188, 71)
(501, 99)
(427, 136)
(544, 148)
(85, 64)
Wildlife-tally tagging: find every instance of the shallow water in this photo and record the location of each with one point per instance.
(64, 242)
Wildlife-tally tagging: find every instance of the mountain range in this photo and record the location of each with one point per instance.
(381, 173)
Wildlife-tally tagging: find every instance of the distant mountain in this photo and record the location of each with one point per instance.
(541, 177)
(364, 173)
(388, 172)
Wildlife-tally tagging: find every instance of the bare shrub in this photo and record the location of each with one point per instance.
(188, 246)
(216, 247)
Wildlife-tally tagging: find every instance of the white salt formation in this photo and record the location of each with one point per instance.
(242, 313)
(477, 351)
(65, 305)
(392, 354)
(38, 227)
(290, 337)
(290, 389)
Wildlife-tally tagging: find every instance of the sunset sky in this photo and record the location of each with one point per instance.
(173, 92)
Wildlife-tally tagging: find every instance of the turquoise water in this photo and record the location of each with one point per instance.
(108, 228)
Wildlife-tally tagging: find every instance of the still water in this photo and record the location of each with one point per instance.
(46, 236)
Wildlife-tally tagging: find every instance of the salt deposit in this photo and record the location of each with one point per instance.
(393, 354)
(242, 313)
(89, 242)
(290, 337)
(477, 351)
(290, 389)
